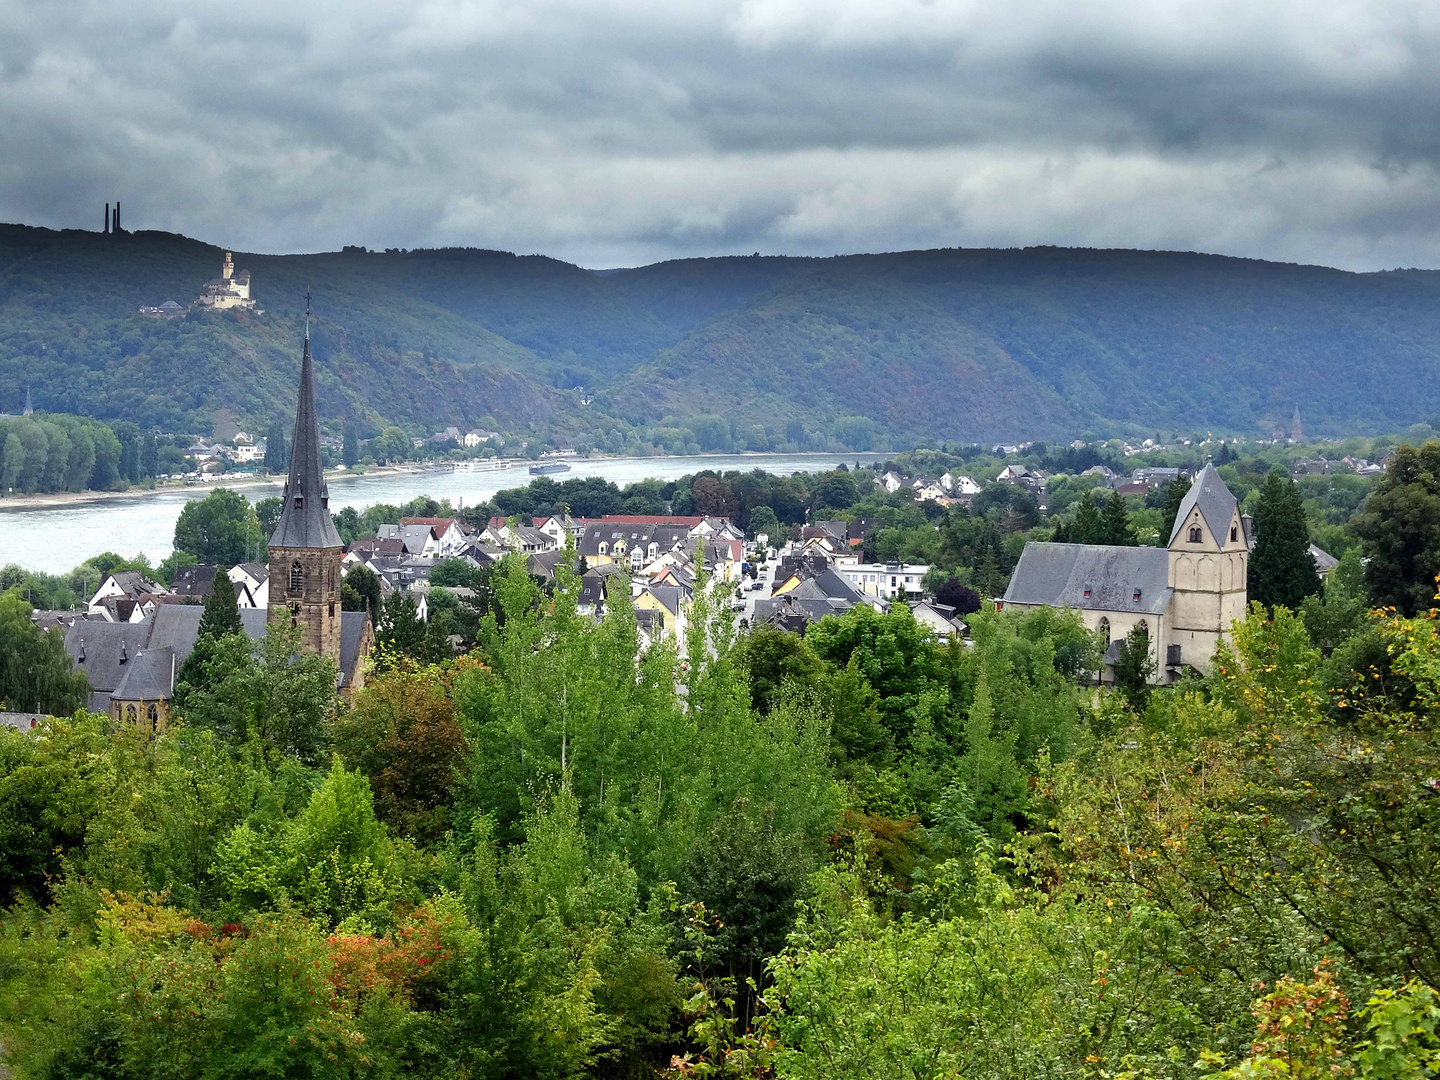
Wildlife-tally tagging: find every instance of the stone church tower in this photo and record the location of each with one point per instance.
(305, 552)
(1209, 555)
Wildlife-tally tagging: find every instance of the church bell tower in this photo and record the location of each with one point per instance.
(305, 551)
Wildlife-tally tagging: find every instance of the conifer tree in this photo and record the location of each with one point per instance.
(1175, 493)
(1281, 569)
(1086, 528)
(1115, 527)
(222, 611)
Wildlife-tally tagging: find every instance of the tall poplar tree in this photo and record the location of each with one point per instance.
(1281, 569)
(350, 450)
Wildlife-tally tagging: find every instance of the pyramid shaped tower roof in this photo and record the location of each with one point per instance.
(305, 518)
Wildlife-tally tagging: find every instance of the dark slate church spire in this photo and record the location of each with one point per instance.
(305, 520)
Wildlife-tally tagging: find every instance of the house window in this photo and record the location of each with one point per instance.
(1104, 631)
(1172, 655)
(297, 576)
(601, 549)
(1195, 534)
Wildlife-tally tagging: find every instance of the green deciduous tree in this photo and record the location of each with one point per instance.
(35, 671)
(221, 528)
(1399, 528)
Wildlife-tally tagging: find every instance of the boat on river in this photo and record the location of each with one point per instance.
(489, 464)
(548, 467)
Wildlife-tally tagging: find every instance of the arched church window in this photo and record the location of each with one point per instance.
(297, 576)
(1104, 629)
(153, 715)
(1234, 533)
(1194, 534)
(130, 713)
(1144, 628)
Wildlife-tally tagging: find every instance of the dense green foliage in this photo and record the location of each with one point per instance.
(35, 671)
(721, 354)
(860, 853)
(1400, 528)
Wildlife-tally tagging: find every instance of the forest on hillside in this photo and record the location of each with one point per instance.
(854, 351)
(858, 853)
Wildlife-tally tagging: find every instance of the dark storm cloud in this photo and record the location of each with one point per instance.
(620, 133)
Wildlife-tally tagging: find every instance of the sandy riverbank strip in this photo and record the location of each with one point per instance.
(45, 501)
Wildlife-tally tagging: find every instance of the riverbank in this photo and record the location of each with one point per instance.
(55, 533)
(50, 500)
(58, 499)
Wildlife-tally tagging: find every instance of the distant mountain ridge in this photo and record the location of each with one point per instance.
(860, 349)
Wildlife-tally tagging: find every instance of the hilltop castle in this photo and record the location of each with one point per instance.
(229, 290)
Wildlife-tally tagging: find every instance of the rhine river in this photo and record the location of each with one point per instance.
(55, 539)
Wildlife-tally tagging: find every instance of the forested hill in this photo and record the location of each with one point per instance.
(859, 350)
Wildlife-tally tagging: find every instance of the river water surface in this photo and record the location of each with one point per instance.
(54, 539)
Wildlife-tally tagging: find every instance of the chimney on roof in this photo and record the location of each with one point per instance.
(124, 656)
(81, 658)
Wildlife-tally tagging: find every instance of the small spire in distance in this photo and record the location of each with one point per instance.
(307, 314)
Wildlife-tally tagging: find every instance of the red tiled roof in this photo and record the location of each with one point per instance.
(650, 519)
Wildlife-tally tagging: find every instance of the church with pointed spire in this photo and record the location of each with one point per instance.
(306, 551)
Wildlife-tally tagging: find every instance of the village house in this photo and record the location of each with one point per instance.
(1182, 597)
(891, 581)
(126, 596)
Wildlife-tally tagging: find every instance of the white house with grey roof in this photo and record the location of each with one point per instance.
(1185, 596)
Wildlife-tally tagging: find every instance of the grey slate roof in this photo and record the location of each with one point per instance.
(100, 643)
(1217, 505)
(171, 631)
(149, 676)
(194, 580)
(1058, 575)
(307, 525)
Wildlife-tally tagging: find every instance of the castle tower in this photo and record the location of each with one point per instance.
(227, 268)
(305, 550)
(1296, 432)
(1209, 556)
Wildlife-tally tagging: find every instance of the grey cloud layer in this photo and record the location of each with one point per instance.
(620, 133)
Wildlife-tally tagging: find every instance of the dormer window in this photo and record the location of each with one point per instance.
(299, 501)
(1136, 596)
(1087, 594)
(1195, 534)
(601, 549)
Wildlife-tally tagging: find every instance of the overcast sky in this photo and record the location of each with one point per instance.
(618, 133)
